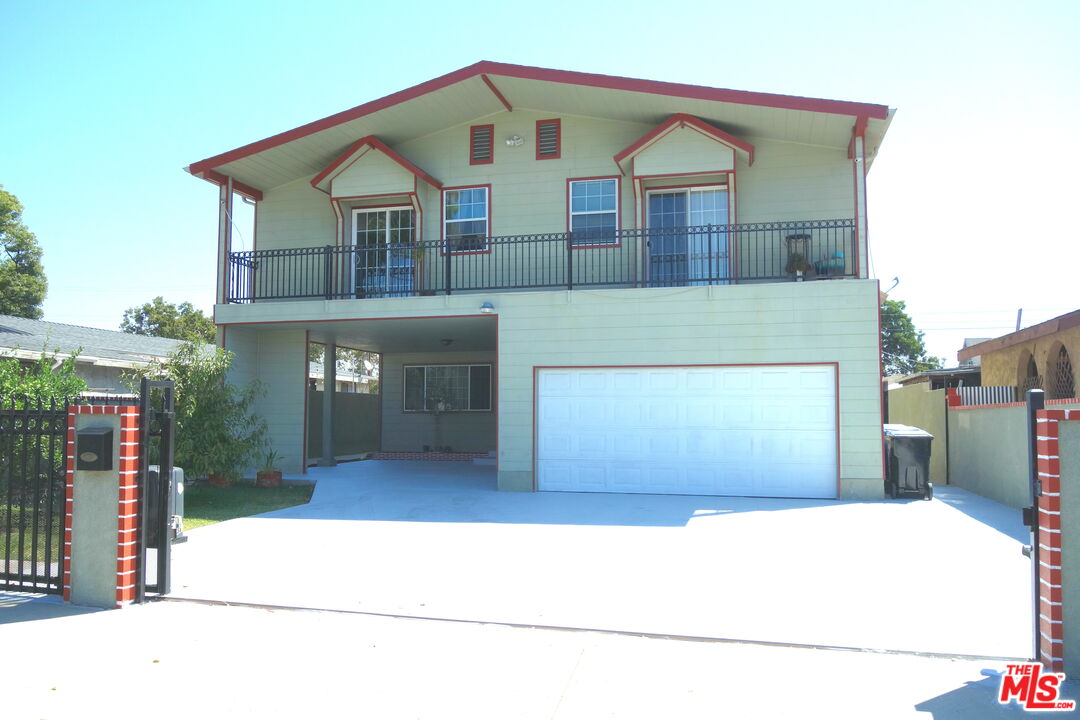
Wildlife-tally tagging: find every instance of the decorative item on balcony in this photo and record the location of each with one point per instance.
(797, 251)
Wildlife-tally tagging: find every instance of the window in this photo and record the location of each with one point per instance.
(548, 139)
(481, 144)
(594, 212)
(445, 388)
(465, 219)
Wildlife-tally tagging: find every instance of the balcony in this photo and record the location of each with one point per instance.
(638, 258)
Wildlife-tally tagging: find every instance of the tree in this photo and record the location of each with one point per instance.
(158, 318)
(902, 348)
(22, 276)
(359, 362)
(216, 431)
(43, 381)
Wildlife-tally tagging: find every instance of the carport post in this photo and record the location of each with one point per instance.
(329, 387)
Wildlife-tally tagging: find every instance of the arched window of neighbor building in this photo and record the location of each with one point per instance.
(1028, 377)
(1060, 380)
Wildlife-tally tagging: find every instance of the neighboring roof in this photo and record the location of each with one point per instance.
(944, 372)
(27, 338)
(315, 370)
(488, 87)
(1054, 325)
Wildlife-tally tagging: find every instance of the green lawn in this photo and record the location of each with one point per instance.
(9, 542)
(205, 505)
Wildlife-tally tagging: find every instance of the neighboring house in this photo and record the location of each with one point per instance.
(103, 355)
(943, 378)
(594, 276)
(346, 380)
(1040, 356)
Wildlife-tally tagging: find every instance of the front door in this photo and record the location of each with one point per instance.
(683, 250)
(383, 263)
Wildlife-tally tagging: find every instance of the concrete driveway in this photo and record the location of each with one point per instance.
(437, 540)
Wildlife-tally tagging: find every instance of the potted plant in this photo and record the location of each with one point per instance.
(269, 475)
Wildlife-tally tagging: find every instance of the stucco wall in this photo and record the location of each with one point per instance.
(924, 408)
(988, 451)
(410, 431)
(356, 423)
(1008, 366)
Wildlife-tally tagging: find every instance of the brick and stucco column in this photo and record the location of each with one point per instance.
(100, 511)
(1058, 463)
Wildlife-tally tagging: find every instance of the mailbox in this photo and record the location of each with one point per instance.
(94, 448)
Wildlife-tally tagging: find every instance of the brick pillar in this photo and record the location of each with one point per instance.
(1054, 600)
(952, 398)
(104, 574)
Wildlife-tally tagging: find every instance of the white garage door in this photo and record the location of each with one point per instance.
(764, 431)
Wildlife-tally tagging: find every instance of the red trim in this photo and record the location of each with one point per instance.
(237, 186)
(536, 404)
(491, 144)
(361, 319)
(255, 229)
(653, 87)
(679, 120)
(499, 95)
(442, 220)
(307, 369)
(618, 210)
(857, 130)
(664, 176)
(376, 144)
(986, 407)
(558, 139)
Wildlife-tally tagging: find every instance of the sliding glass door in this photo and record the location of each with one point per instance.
(682, 249)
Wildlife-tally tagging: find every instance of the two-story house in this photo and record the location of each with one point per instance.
(619, 285)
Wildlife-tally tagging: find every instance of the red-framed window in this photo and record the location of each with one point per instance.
(481, 144)
(467, 218)
(548, 139)
(593, 211)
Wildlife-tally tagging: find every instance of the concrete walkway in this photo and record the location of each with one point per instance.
(176, 660)
(437, 540)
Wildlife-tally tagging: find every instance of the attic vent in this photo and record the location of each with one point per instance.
(547, 139)
(481, 148)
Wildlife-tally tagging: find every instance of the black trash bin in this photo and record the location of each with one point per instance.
(908, 469)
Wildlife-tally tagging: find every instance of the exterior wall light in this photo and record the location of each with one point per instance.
(487, 307)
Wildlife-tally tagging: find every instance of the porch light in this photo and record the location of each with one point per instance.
(487, 307)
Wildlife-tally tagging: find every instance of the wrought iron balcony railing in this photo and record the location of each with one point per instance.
(653, 257)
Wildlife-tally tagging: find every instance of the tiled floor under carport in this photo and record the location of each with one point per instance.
(437, 540)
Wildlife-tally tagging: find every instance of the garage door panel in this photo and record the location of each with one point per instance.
(767, 430)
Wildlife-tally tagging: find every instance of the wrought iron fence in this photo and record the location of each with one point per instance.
(653, 257)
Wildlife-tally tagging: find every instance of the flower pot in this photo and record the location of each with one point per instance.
(268, 479)
(219, 481)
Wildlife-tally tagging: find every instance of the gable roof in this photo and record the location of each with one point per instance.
(373, 143)
(485, 88)
(679, 120)
(28, 338)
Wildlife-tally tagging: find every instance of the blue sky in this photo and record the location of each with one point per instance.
(970, 198)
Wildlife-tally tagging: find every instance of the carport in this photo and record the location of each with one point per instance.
(436, 540)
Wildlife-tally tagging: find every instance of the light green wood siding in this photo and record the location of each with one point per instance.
(293, 215)
(789, 181)
(371, 174)
(411, 431)
(684, 150)
(278, 358)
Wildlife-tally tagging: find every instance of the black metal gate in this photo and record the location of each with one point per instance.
(33, 464)
(158, 527)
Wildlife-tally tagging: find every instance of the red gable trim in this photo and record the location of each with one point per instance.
(382, 147)
(682, 120)
(238, 187)
(857, 130)
(653, 87)
(502, 98)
